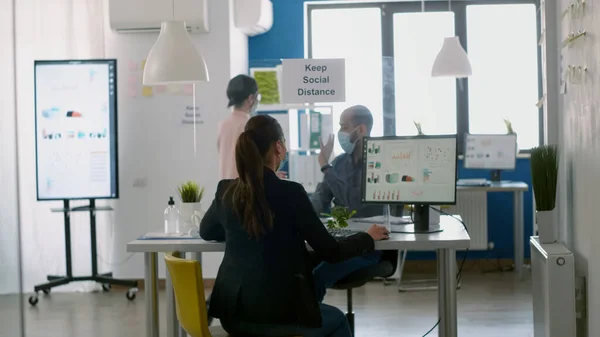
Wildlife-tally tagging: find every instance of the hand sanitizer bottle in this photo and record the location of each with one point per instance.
(171, 218)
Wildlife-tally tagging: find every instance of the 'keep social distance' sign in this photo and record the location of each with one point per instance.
(314, 80)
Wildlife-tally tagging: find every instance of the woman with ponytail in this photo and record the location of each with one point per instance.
(264, 285)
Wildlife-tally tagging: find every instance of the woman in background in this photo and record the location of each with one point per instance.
(264, 285)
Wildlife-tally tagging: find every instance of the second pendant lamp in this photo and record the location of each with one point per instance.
(174, 59)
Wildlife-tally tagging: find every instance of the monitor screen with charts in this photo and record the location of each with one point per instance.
(409, 170)
(76, 129)
(492, 152)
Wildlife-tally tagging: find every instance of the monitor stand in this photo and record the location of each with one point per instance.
(495, 176)
(422, 222)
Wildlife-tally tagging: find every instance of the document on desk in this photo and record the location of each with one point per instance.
(380, 219)
(166, 236)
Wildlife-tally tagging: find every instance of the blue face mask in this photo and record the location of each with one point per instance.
(345, 142)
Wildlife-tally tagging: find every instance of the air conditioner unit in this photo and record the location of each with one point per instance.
(145, 16)
(253, 17)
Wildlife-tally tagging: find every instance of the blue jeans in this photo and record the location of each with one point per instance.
(327, 274)
(335, 324)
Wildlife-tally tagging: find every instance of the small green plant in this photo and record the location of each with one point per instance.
(509, 128)
(340, 216)
(544, 176)
(418, 126)
(190, 192)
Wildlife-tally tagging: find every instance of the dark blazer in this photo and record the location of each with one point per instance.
(269, 280)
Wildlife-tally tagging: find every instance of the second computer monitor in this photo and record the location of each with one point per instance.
(419, 170)
(492, 152)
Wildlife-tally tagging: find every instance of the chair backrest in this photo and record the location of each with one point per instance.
(188, 285)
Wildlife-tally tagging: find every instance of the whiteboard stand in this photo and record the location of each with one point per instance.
(105, 279)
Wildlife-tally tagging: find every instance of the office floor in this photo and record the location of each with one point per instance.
(491, 305)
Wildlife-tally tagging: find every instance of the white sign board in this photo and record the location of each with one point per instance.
(314, 80)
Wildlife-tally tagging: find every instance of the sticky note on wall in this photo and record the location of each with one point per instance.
(147, 91)
(143, 64)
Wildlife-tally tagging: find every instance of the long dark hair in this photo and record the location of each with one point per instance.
(248, 198)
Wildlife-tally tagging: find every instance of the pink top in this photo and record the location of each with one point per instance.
(227, 135)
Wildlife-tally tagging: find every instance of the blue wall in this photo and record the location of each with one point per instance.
(286, 40)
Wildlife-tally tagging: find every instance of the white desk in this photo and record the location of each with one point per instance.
(445, 243)
(518, 188)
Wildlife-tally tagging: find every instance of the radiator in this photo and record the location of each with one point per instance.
(472, 207)
(553, 283)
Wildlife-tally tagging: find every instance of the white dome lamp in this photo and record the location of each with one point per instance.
(174, 59)
(452, 60)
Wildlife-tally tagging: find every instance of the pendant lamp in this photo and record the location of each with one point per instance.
(452, 60)
(174, 59)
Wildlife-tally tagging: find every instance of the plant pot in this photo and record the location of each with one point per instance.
(186, 212)
(546, 224)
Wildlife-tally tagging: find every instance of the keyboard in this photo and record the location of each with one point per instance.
(341, 232)
(473, 182)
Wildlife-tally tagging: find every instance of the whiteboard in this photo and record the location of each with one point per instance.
(76, 129)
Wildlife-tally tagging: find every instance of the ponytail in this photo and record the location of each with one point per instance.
(248, 198)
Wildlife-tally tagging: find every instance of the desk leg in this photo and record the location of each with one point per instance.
(446, 268)
(519, 223)
(151, 293)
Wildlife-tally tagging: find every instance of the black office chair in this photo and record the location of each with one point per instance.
(385, 268)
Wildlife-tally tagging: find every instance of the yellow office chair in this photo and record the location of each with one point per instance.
(186, 276)
(188, 285)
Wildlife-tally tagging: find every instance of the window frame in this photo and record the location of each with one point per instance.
(459, 7)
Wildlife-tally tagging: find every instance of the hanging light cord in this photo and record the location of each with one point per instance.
(194, 112)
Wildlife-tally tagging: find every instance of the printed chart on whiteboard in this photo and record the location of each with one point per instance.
(410, 170)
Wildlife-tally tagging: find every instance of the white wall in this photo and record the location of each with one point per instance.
(155, 146)
(580, 147)
(9, 280)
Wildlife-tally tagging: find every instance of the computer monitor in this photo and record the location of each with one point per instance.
(417, 170)
(491, 152)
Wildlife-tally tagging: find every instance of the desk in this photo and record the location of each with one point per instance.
(518, 188)
(445, 243)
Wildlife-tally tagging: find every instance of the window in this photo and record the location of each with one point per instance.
(396, 43)
(339, 36)
(503, 54)
(419, 97)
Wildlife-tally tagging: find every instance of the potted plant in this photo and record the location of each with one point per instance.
(191, 195)
(418, 126)
(544, 177)
(339, 217)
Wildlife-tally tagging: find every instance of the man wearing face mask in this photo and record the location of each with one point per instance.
(342, 186)
(342, 178)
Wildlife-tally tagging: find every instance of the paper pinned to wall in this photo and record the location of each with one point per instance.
(173, 88)
(160, 89)
(147, 91)
(540, 102)
(268, 85)
(132, 92)
(132, 66)
(143, 64)
(188, 89)
(132, 79)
